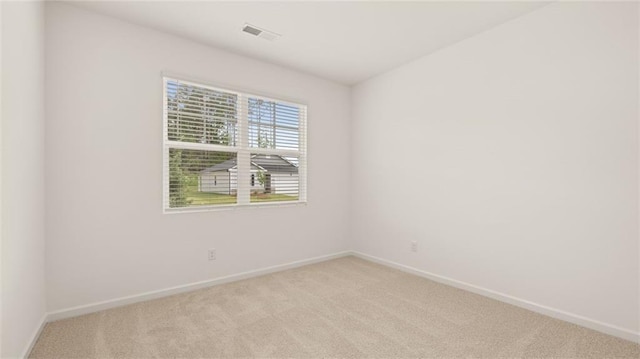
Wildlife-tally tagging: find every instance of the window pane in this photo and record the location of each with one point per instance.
(201, 178)
(198, 172)
(273, 125)
(201, 115)
(276, 178)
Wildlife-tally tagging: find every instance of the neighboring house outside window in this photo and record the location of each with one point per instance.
(227, 148)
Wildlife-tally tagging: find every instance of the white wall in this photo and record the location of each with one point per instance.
(23, 287)
(106, 234)
(512, 158)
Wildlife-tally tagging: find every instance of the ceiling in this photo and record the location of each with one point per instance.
(346, 42)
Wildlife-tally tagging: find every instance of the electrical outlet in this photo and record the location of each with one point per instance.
(212, 254)
(414, 246)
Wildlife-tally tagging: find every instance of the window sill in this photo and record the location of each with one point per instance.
(228, 207)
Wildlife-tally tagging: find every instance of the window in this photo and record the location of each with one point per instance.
(224, 148)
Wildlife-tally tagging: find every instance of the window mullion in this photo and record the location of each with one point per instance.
(302, 165)
(244, 161)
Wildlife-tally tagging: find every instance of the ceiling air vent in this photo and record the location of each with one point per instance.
(261, 33)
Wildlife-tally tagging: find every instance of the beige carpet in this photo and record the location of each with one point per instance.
(344, 308)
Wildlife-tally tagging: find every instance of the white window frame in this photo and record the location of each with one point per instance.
(242, 150)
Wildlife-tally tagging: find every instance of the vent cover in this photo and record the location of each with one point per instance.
(252, 30)
(261, 33)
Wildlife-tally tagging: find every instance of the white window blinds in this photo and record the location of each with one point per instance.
(225, 148)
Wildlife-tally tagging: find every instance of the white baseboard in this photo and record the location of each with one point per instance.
(35, 336)
(118, 302)
(534, 307)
